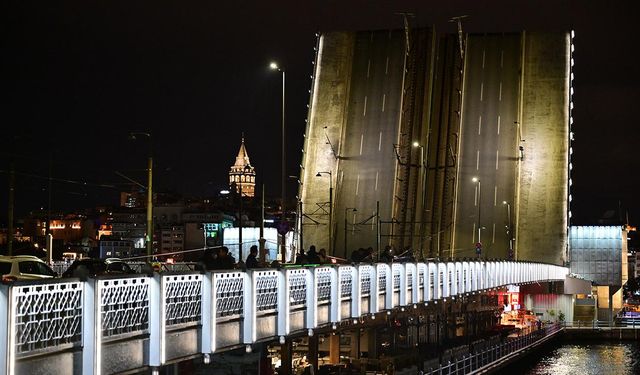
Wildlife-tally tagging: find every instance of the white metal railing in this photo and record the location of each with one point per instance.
(480, 360)
(228, 308)
(600, 324)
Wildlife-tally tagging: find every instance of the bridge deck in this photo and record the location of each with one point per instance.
(109, 325)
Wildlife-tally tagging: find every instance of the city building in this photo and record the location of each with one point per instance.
(130, 224)
(116, 248)
(133, 199)
(204, 229)
(599, 254)
(242, 176)
(18, 236)
(171, 239)
(65, 228)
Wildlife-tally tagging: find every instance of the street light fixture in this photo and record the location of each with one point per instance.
(133, 136)
(422, 182)
(346, 211)
(274, 66)
(479, 204)
(509, 227)
(319, 174)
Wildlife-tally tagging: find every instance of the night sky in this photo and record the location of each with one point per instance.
(78, 76)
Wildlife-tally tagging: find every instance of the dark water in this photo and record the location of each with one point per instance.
(584, 358)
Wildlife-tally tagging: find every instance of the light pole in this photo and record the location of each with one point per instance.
(299, 215)
(509, 232)
(346, 211)
(319, 174)
(479, 204)
(274, 66)
(422, 187)
(149, 239)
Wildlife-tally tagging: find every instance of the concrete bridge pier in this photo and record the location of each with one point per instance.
(372, 343)
(334, 349)
(313, 352)
(355, 344)
(286, 357)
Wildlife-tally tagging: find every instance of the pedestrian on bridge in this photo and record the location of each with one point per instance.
(312, 255)
(301, 257)
(252, 259)
(224, 261)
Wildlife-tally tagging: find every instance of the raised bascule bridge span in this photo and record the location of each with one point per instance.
(426, 142)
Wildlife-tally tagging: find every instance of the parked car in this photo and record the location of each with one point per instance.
(24, 267)
(96, 267)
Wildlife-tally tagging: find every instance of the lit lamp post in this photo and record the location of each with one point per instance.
(274, 66)
(479, 204)
(346, 212)
(422, 183)
(319, 174)
(509, 232)
(149, 239)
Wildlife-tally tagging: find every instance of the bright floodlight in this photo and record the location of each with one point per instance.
(504, 202)
(475, 179)
(273, 66)
(416, 144)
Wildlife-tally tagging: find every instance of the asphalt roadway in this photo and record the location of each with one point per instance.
(489, 150)
(367, 161)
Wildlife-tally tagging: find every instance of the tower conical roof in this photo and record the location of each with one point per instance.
(242, 159)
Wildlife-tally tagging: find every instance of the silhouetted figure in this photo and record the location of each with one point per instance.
(387, 255)
(301, 257)
(322, 254)
(209, 259)
(225, 261)
(367, 255)
(312, 255)
(252, 260)
(357, 255)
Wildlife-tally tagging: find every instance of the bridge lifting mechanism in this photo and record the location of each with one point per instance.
(458, 20)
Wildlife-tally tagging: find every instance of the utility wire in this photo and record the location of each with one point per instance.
(74, 182)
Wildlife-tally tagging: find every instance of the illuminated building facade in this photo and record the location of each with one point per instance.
(172, 239)
(68, 228)
(242, 175)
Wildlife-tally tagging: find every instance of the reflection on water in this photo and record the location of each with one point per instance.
(583, 359)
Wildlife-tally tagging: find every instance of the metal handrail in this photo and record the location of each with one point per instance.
(474, 362)
(599, 324)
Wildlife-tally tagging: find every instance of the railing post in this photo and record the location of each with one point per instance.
(388, 297)
(156, 322)
(5, 308)
(283, 303)
(373, 292)
(356, 299)
(249, 312)
(311, 280)
(91, 328)
(336, 295)
(206, 338)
